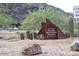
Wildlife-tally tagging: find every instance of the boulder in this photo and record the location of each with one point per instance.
(75, 45)
(34, 50)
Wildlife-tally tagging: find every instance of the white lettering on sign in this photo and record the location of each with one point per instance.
(51, 32)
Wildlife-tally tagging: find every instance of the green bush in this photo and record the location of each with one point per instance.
(71, 27)
(34, 19)
(6, 20)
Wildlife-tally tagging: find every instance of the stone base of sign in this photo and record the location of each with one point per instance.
(75, 45)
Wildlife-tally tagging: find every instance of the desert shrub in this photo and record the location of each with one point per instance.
(22, 36)
(29, 35)
(6, 20)
(71, 27)
(35, 35)
(67, 33)
(75, 34)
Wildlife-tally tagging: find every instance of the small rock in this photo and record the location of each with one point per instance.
(34, 50)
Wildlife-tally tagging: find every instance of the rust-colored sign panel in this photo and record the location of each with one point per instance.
(51, 31)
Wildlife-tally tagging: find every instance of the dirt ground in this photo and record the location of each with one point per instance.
(49, 47)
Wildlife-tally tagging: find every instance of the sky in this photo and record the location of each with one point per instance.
(66, 5)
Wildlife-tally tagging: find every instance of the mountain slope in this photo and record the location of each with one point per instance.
(19, 11)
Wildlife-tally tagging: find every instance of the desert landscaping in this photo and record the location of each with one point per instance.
(14, 47)
(37, 29)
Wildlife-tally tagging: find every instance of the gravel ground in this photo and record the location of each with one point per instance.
(49, 47)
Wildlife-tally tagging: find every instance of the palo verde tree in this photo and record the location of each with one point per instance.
(6, 20)
(34, 19)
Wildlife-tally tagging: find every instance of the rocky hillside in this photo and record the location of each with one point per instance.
(19, 11)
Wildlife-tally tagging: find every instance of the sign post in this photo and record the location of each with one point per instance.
(76, 17)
